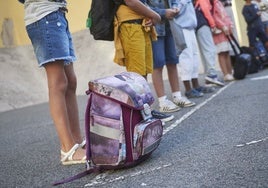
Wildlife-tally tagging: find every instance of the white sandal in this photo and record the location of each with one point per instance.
(67, 157)
(83, 144)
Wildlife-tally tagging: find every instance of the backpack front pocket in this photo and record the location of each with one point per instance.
(107, 141)
(146, 137)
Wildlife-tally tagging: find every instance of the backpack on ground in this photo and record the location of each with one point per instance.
(255, 64)
(120, 130)
(100, 19)
(261, 52)
(242, 60)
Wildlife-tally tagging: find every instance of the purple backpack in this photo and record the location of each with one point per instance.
(120, 130)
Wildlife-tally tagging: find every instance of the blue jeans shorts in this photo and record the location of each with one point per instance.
(164, 51)
(51, 39)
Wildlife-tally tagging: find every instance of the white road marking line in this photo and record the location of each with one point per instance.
(100, 179)
(185, 116)
(252, 142)
(260, 78)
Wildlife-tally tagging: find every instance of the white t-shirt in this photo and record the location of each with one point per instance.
(263, 6)
(38, 9)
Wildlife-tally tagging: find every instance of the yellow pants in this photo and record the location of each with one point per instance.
(137, 47)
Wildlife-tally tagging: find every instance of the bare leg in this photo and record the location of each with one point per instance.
(228, 63)
(157, 78)
(195, 83)
(187, 85)
(221, 57)
(71, 103)
(173, 77)
(57, 87)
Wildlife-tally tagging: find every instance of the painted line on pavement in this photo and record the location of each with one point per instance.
(185, 116)
(252, 142)
(101, 178)
(260, 78)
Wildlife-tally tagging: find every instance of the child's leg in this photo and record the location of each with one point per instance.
(228, 63)
(195, 83)
(222, 59)
(71, 103)
(57, 87)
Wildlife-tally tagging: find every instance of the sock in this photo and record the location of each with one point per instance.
(162, 99)
(176, 94)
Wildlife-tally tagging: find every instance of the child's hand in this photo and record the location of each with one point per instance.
(170, 13)
(148, 22)
(177, 10)
(226, 30)
(154, 20)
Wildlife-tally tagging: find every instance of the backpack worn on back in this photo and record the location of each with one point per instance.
(120, 130)
(101, 18)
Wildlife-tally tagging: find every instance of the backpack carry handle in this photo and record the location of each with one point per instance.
(232, 40)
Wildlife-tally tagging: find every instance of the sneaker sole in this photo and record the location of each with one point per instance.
(189, 105)
(171, 110)
(211, 90)
(168, 119)
(185, 105)
(195, 96)
(214, 82)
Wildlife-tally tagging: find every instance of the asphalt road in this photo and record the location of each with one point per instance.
(221, 142)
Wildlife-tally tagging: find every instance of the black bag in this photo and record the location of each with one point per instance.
(242, 60)
(261, 52)
(101, 18)
(255, 64)
(21, 1)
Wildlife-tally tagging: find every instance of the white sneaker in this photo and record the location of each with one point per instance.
(183, 102)
(228, 78)
(168, 106)
(214, 80)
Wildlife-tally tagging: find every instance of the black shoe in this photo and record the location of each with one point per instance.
(163, 117)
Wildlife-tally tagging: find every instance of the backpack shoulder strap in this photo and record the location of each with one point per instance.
(22, 1)
(90, 169)
(78, 176)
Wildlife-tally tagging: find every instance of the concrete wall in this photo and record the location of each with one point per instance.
(13, 11)
(240, 22)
